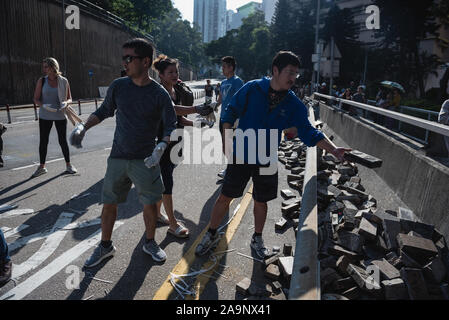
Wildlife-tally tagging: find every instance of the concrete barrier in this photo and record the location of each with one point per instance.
(421, 182)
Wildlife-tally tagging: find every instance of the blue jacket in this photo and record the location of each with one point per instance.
(251, 106)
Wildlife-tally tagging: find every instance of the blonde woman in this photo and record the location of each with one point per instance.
(52, 95)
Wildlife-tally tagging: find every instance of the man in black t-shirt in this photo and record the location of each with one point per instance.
(209, 89)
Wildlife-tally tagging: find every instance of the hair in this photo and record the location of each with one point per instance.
(53, 63)
(229, 60)
(162, 62)
(283, 59)
(142, 47)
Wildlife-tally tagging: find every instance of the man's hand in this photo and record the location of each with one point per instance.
(155, 157)
(339, 153)
(291, 133)
(204, 110)
(77, 135)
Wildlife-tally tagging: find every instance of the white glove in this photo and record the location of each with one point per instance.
(77, 135)
(63, 105)
(155, 157)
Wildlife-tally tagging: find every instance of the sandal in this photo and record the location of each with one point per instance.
(181, 232)
(163, 219)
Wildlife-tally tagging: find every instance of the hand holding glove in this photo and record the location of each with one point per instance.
(155, 157)
(77, 135)
(204, 109)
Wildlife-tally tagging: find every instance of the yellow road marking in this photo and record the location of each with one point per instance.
(188, 259)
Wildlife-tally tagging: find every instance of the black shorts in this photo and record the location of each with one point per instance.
(237, 176)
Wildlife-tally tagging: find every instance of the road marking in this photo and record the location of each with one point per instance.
(37, 279)
(36, 164)
(188, 259)
(6, 207)
(42, 235)
(17, 212)
(46, 250)
(12, 232)
(25, 117)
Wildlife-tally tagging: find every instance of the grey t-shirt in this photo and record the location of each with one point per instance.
(139, 111)
(50, 97)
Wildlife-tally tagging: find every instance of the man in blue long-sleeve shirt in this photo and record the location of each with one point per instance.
(140, 105)
(261, 106)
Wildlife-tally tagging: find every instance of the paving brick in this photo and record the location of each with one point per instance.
(351, 241)
(286, 267)
(387, 271)
(362, 195)
(407, 261)
(287, 194)
(345, 170)
(280, 224)
(424, 229)
(274, 259)
(373, 251)
(260, 290)
(295, 222)
(343, 284)
(334, 190)
(342, 265)
(288, 202)
(353, 198)
(288, 249)
(272, 272)
(297, 185)
(338, 251)
(391, 227)
(435, 271)
(290, 208)
(243, 286)
(416, 285)
(395, 289)
(294, 177)
(363, 279)
(363, 159)
(276, 286)
(293, 214)
(367, 229)
(335, 207)
(419, 249)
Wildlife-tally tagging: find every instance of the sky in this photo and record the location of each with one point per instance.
(186, 6)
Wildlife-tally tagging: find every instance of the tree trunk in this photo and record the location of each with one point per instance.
(443, 85)
(419, 73)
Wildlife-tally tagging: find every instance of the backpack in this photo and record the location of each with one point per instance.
(185, 93)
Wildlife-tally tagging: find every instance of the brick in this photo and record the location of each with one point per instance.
(352, 293)
(290, 208)
(372, 251)
(353, 198)
(345, 170)
(436, 236)
(280, 224)
(338, 251)
(335, 219)
(407, 261)
(274, 259)
(415, 283)
(295, 222)
(392, 227)
(293, 215)
(395, 289)
(294, 177)
(288, 202)
(419, 249)
(259, 290)
(334, 190)
(272, 272)
(328, 276)
(287, 194)
(367, 229)
(355, 180)
(387, 271)
(363, 159)
(424, 229)
(342, 265)
(343, 284)
(406, 214)
(297, 185)
(296, 170)
(286, 267)
(288, 249)
(363, 279)
(325, 194)
(351, 241)
(435, 271)
(335, 207)
(243, 286)
(362, 195)
(276, 286)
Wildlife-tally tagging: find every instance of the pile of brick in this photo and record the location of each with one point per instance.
(366, 253)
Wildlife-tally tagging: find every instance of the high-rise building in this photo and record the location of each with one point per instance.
(210, 16)
(268, 7)
(243, 12)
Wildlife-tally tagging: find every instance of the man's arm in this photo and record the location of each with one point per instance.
(330, 147)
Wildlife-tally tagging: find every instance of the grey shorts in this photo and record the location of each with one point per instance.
(122, 173)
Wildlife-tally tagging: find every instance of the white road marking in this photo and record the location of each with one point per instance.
(36, 164)
(25, 117)
(30, 284)
(46, 250)
(17, 212)
(15, 230)
(6, 207)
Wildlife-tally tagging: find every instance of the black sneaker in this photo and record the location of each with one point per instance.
(1, 162)
(5, 273)
(208, 242)
(258, 246)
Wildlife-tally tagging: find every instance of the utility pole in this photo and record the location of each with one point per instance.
(332, 66)
(366, 65)
(63, 38)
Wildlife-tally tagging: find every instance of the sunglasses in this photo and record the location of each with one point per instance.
(129, 59)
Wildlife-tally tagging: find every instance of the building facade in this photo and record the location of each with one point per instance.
(269, 7)
(211, 17)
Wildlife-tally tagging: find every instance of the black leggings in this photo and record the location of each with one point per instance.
(44, 131)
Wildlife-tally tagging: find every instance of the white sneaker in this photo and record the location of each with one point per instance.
(39, 171)
(222, 173)
(71, 169)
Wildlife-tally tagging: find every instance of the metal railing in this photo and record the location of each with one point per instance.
(305, 280)
(401, 117)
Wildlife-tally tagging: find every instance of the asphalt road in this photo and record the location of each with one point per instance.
(58, 232)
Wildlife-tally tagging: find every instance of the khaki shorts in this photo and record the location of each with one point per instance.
(122, 173)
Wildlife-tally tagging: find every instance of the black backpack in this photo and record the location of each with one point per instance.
(185, 93)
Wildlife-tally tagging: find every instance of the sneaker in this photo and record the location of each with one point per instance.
(207, 243)
(2, 129)
(5, 273)
(71, 169)
(1, 162)
(222, 173)
(153, 249)
(259, 247)
(39, 171)
(100, 253)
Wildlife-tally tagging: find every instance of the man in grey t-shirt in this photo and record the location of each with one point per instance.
(140, 105)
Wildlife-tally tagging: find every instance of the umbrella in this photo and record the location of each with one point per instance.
(392, 85)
